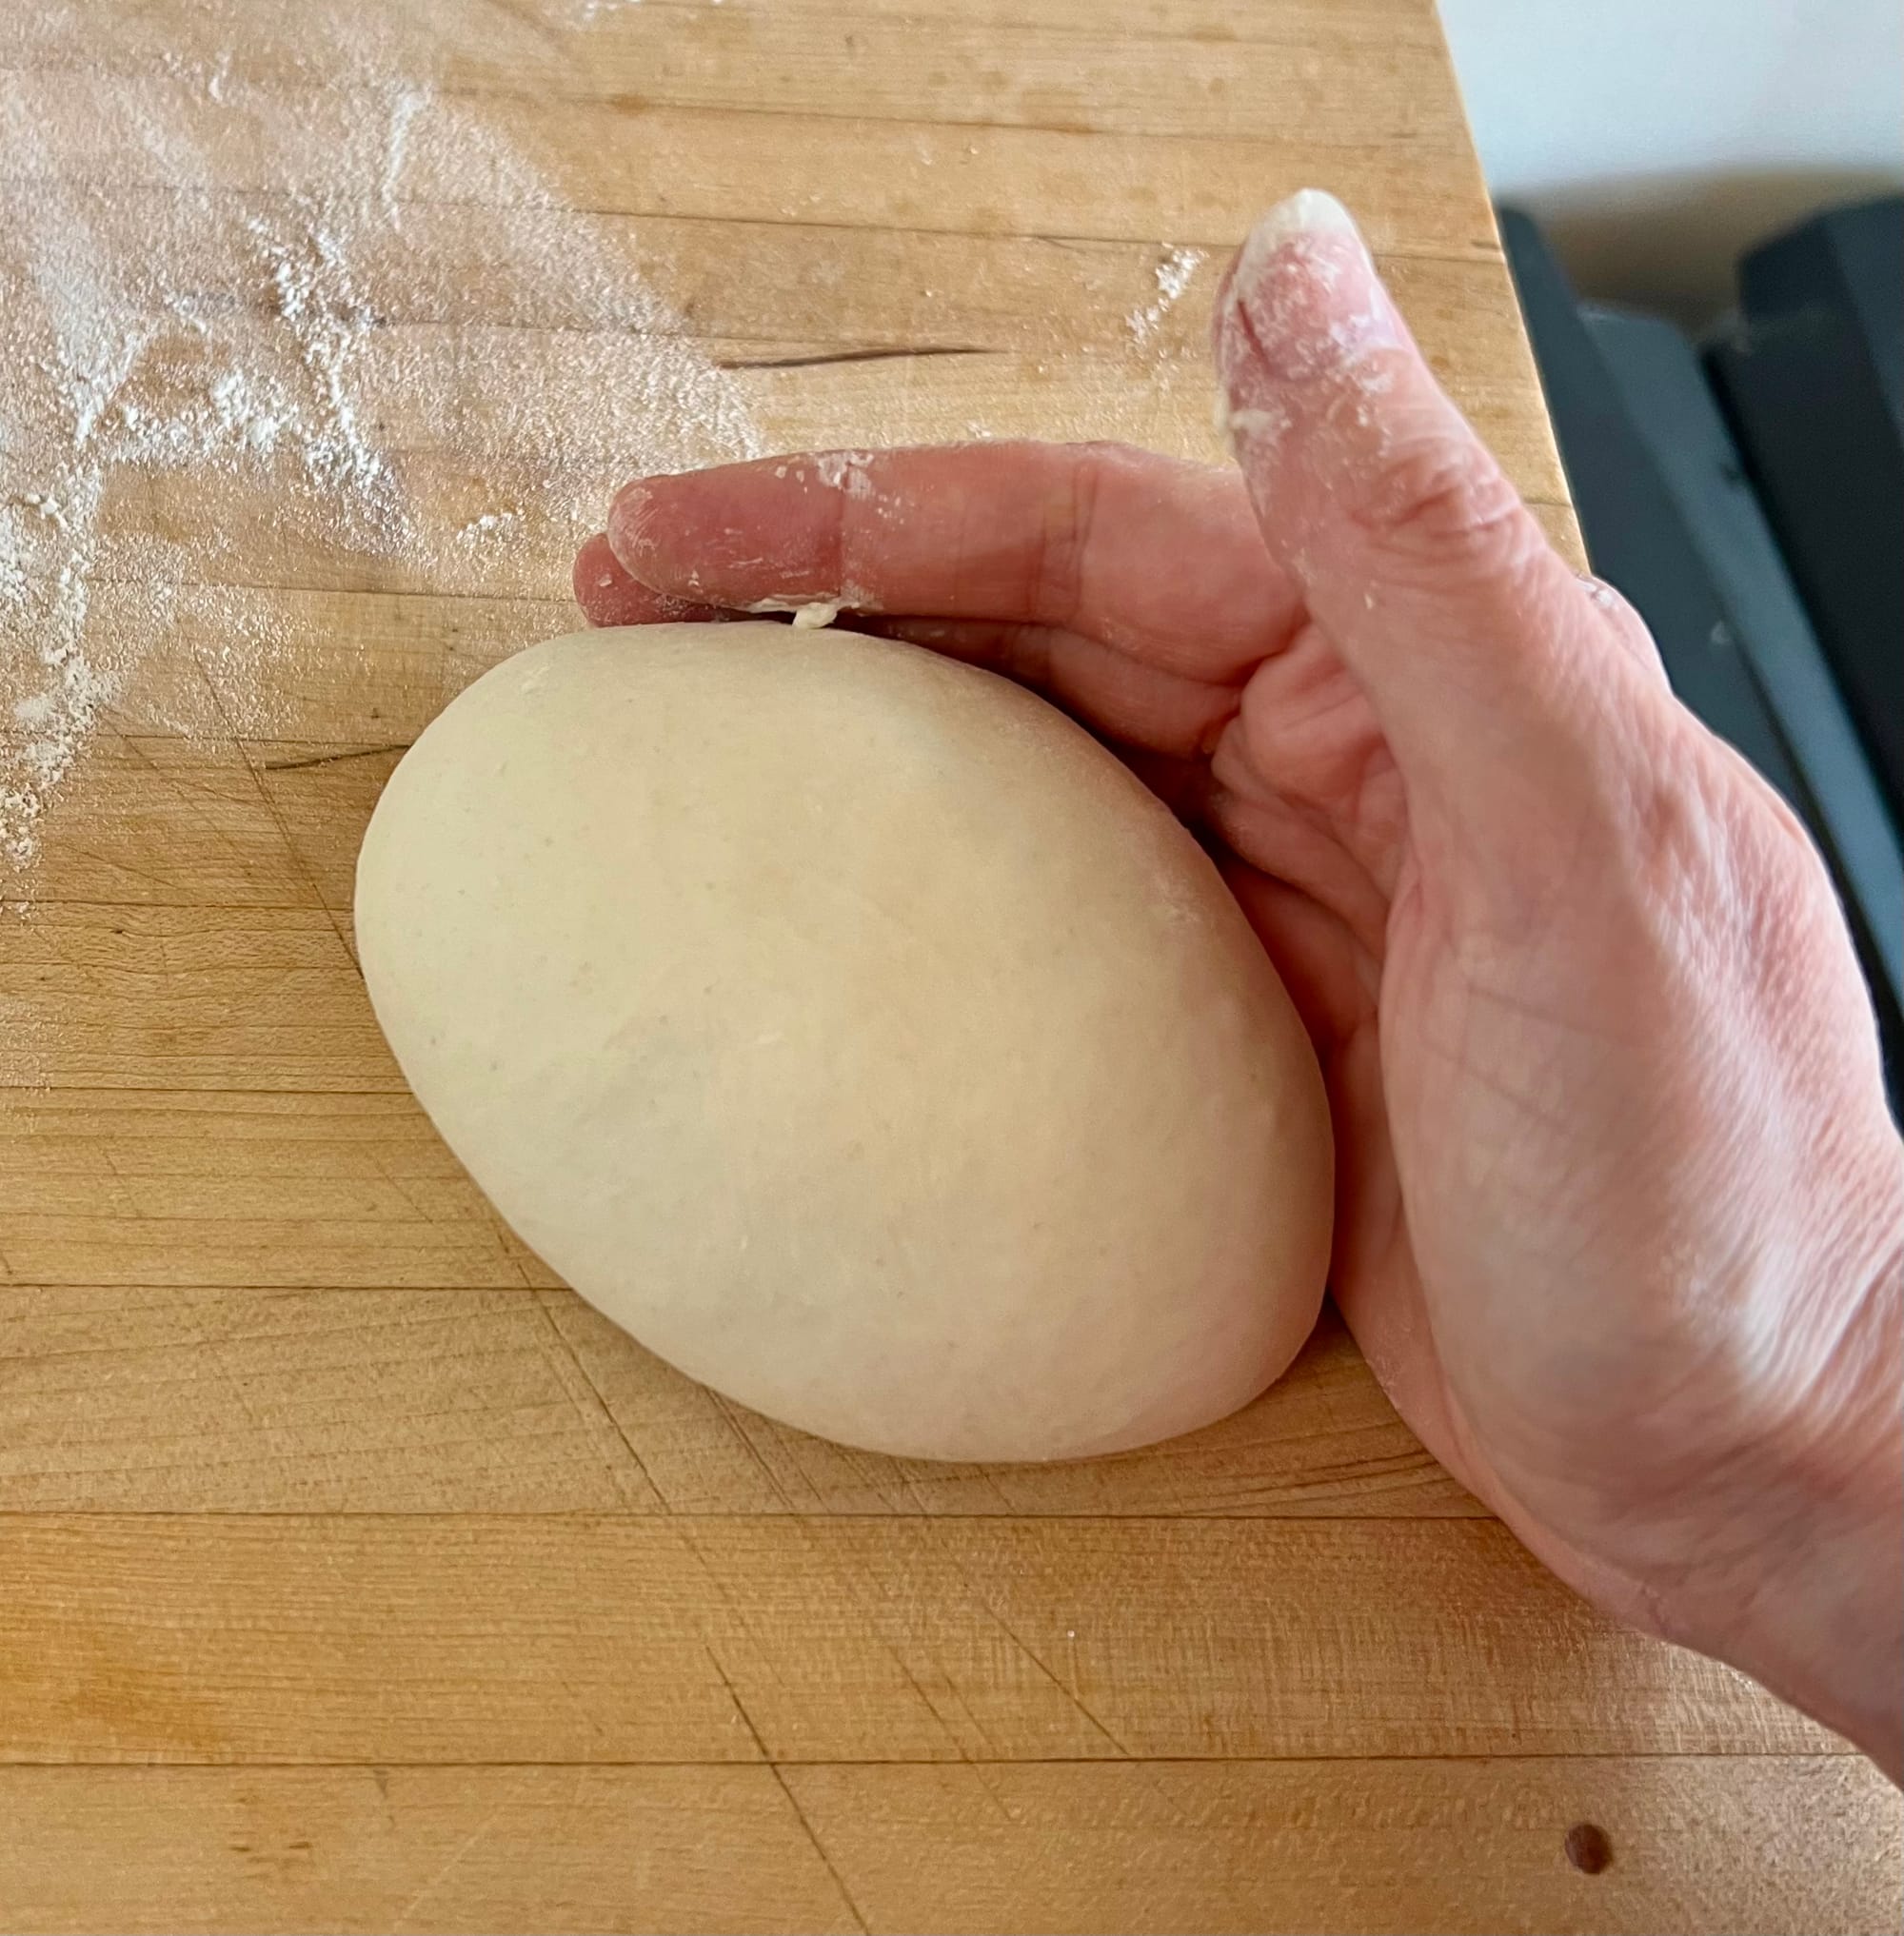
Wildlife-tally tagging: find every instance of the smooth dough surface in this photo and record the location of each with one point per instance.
(858, 1033)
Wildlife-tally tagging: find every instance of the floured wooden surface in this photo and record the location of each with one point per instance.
(358, 1577)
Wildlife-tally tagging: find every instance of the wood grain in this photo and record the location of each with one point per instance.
(1418, 194)
(1696, 1845)
(190, 997)
(843, 64)
(376, 1849)
(1728, 1843)
(386, 1399)
(547, 1638)
(357, 1577)
(279, 1187)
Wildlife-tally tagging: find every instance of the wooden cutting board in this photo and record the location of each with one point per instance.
(353, 1576)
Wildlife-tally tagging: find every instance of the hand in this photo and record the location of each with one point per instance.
(1621, 1224)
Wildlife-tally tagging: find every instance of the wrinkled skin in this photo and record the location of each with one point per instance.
(1620, 1223)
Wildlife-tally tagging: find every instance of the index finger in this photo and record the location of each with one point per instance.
(1151, 556)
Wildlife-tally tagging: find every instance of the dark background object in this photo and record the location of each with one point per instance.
(1811, 373)
(1669, 512)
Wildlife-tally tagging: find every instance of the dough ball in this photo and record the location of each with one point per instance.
(858, 1033)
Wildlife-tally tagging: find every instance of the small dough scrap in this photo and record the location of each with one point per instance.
(852, 1027)
(809, 615)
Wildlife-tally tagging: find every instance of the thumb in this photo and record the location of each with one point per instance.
(1487, 661)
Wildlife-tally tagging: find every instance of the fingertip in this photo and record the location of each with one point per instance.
(1305, 216)
(609, 596)
(1309, 347)
(598, 579)
(630, 516)
(1302, 299)
(730, 536)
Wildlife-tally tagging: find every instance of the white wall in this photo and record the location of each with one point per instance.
(1655, 138)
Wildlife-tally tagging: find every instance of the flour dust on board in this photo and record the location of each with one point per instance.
(234, 258)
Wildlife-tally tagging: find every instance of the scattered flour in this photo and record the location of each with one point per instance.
(491, 525)
(845, 470)
(234, 271)
(1173, 274)
(588, 11)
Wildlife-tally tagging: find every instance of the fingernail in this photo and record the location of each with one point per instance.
(1304, 298)
(628, 520)
(1309, 211)
(593, 570)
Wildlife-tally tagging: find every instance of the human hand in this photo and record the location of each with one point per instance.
(1620, 1218)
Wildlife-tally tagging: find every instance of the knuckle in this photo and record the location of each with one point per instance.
(1733, 910)
(1444, 503)
(1625, 623)
(1063, 537)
